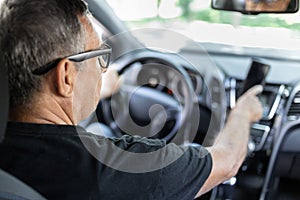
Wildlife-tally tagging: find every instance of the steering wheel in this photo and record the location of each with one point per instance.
(149, 109)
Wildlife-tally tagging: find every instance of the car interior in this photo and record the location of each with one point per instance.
(181, 90)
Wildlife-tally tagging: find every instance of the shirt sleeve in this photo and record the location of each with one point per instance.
(183, 178)
(172, 171)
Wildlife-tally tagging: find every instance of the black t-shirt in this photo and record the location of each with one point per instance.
(63, 162)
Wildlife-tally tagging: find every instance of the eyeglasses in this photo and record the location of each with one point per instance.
(103, 54)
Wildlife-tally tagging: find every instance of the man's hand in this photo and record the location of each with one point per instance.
(249, 104)
(230, 148)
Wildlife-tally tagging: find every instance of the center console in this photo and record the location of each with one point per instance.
(270, 98)
(249, 181)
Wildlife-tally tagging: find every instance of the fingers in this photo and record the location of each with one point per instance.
(249, 103)
(255, 90)
(256, 110)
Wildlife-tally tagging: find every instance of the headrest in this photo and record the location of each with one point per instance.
(4, 103)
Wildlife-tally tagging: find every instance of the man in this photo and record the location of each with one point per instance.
(267, 5)
(53, 87)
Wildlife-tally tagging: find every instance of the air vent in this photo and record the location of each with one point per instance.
(295, 106)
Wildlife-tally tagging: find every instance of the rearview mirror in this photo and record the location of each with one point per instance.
(257, 6)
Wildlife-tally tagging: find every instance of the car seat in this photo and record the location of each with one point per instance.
(10, 187)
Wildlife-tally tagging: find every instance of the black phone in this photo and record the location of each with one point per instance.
(257, 74)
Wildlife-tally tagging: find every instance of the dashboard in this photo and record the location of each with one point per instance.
(270, 146)
(271, 167)
(215, 79)
(164, 79)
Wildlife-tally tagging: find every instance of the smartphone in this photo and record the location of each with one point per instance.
(257, 74)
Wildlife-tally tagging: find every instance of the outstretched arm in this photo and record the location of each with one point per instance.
(230, 148)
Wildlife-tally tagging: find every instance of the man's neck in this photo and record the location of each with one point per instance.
(43, 111)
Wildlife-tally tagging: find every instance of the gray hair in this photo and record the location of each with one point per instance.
(34, 33)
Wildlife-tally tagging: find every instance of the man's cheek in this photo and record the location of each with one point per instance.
(98, 90)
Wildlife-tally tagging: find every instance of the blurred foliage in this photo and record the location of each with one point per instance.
(225, 17)
(185, 7)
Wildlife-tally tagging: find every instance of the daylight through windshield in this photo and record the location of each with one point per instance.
(196, 20)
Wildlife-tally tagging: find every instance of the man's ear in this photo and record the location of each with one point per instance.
(65, 77)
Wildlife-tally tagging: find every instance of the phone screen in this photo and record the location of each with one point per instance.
(256, 75)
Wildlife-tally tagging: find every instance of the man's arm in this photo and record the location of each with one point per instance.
(230, 148)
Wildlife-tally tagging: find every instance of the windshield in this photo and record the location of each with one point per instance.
(196, 20)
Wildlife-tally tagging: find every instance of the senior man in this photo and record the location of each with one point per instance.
(55, 62)
(267, 5)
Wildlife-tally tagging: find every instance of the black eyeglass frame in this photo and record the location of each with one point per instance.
(105, 49)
